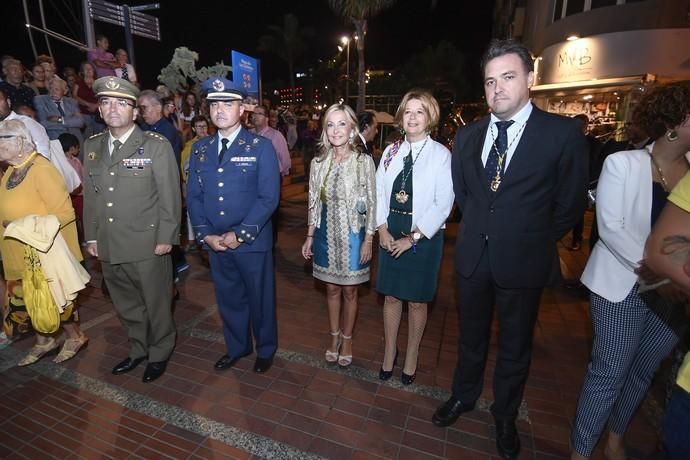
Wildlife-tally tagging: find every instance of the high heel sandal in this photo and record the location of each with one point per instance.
(344, 361)
(332, 356)
(39, 351)
(386, 375)
(71, 348)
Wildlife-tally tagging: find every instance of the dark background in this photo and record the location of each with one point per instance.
(213, 28)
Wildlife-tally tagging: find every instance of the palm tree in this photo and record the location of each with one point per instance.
(287, 42)
(358, 11)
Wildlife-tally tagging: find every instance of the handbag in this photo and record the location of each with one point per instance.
(44, 314)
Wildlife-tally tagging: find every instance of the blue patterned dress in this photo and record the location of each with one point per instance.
(336, 247)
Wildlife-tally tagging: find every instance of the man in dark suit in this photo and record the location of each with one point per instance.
(519, 177)
(57, 113)
(232, 191)
(131, 220)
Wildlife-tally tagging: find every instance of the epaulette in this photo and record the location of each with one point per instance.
(156, 135)
(98, 134)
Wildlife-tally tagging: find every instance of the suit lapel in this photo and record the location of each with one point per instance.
(237, 147)
(475, 145)
(128, 149)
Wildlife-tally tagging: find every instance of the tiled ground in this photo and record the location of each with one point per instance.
(301, 408)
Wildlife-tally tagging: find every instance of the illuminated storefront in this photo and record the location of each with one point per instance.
(604, 75)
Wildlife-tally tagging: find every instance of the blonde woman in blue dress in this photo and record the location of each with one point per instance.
(341, 226)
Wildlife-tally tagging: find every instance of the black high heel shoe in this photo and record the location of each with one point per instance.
(386, 375)
(407, 379)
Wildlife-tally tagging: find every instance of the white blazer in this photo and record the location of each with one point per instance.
(624, 207)
(432, 186)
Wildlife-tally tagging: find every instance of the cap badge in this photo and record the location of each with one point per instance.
(218, 85)
(112, 84)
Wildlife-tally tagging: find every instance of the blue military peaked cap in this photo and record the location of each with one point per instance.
(221, 89)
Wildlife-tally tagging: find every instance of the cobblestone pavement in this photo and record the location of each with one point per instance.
(302, 408)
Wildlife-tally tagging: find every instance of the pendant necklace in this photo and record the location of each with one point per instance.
(402, 196)
(662, 178)
(496, 181)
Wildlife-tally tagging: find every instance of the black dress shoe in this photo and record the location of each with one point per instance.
(126, 365)
(386, 375)
(154, 370)
(262, 365)
(226, 362)
(406, 379)
(449, 412)
(507, 439)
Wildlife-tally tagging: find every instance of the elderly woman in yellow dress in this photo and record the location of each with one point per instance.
(32, 186)
(342, 208)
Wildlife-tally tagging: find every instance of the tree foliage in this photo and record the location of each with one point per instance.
(287, 41)
(181, 73)
(358, 12)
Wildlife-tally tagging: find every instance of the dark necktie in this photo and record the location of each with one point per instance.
(125, 74)
(499, 148)
(116, 146)
(59, 106)
(223, 150)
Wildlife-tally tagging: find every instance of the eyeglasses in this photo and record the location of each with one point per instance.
(120, 103)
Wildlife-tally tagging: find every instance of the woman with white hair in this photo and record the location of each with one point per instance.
(32, 186)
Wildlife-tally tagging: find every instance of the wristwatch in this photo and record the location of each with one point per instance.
(416, 236)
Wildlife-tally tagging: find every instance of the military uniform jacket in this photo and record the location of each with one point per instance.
(240, 194)
(132, 199)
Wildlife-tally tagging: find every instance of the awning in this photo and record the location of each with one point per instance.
(597, 83)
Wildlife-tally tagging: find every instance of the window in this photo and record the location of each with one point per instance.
(558, 10)
(602, 3)
(563, 8)
(574, 7)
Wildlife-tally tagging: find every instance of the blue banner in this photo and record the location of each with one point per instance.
(245, 73)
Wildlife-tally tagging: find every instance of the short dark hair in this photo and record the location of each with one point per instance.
(663, 108)
(498, 48)
(365, 119)
(197, 119)
(68, 140)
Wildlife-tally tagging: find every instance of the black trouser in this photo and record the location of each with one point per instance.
(517, 312)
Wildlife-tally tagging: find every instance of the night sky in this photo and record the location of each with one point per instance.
(213, 28)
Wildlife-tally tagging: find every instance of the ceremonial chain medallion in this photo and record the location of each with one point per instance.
(496, 181)
(401, 196)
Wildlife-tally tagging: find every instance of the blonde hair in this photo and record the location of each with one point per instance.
(19, 129)
(429, 104)
(324, 144)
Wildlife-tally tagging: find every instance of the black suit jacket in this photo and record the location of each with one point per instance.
(541, 197)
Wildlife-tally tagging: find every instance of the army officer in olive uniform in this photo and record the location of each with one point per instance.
(232, 191)
(131, 220)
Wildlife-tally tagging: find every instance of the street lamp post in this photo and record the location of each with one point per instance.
(346, 42)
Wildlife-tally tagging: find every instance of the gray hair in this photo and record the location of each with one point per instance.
(57, 80)
(151, 95)
(18, 128)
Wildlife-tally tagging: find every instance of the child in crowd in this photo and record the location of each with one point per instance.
(70, 144)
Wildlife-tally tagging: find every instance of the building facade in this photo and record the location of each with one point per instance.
(599, 56)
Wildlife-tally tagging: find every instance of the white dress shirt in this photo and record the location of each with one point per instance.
(514, 133)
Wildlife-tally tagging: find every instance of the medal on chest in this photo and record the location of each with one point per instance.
(402, 196)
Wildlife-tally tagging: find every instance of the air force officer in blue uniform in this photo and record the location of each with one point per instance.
(233, 189)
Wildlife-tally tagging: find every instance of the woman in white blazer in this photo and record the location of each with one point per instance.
(631, 337)
(414, 195)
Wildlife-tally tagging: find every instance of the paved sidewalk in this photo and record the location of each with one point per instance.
(302, 408)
